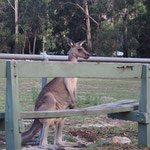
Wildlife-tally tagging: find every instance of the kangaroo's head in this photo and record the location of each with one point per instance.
(77, 50)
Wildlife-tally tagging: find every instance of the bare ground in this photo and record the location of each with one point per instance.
(96, 132)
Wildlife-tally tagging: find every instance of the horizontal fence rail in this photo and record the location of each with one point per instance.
(65, 58)
(29, 69)
(114, 107)
(100, 110)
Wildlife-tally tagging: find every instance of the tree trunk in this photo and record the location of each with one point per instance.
(34, 44)
(88, 26)
(24, 45)
(16, 27)
(115, 45)
(44, 41)
(29, 44)
(125, 22)
(98, 42)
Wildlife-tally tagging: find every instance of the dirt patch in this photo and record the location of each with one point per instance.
(95, 134)
(98, 131)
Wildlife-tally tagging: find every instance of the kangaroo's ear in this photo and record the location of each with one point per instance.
(70, 42)
(80, 43)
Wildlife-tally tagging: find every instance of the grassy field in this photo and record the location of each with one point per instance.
(90, 92)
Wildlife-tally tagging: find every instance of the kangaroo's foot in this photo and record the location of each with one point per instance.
(51, 147)
(34, 141)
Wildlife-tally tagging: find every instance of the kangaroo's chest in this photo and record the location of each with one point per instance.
(73, 83)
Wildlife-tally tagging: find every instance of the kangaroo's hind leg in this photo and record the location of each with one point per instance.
(58, 135)
(44, 134)
(50, 104)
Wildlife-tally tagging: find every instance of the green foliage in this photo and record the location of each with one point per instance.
(56, 19)
(66, 20)
(5, 31)
(142, 31)
(107, 39)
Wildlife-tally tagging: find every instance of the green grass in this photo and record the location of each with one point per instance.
(90, 91)
(98, 91)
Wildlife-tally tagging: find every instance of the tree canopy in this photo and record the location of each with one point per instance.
(115, 25)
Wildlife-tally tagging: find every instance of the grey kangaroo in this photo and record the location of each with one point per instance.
(60, 93)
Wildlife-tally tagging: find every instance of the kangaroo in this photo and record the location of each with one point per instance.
(60, 93)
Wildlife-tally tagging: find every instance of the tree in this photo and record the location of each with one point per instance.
(127, 10)
(142, 29)
(66, 20)
(87, 18)
(16, 27)
(88, 26)
(125, 23)
(99, 11)
(114, 25)
(32, 26)
(16, 22)
(6, 35)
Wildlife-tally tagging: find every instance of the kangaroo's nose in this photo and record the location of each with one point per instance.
(87, 55)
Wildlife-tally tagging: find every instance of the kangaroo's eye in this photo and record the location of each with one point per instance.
(79, 49)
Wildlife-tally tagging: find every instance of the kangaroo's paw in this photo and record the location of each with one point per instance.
(59, 143)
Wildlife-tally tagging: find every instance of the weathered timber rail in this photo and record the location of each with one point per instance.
(11, 119)
(115, 107)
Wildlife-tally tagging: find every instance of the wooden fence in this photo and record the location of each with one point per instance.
(11, 119)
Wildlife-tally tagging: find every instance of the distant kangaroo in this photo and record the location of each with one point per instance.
(60, 93)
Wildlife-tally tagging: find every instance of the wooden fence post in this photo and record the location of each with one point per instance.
(144, 107)
(44, 79)
(44, 82)
(12, 109)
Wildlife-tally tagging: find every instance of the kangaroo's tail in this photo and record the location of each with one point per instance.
(29, 134)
